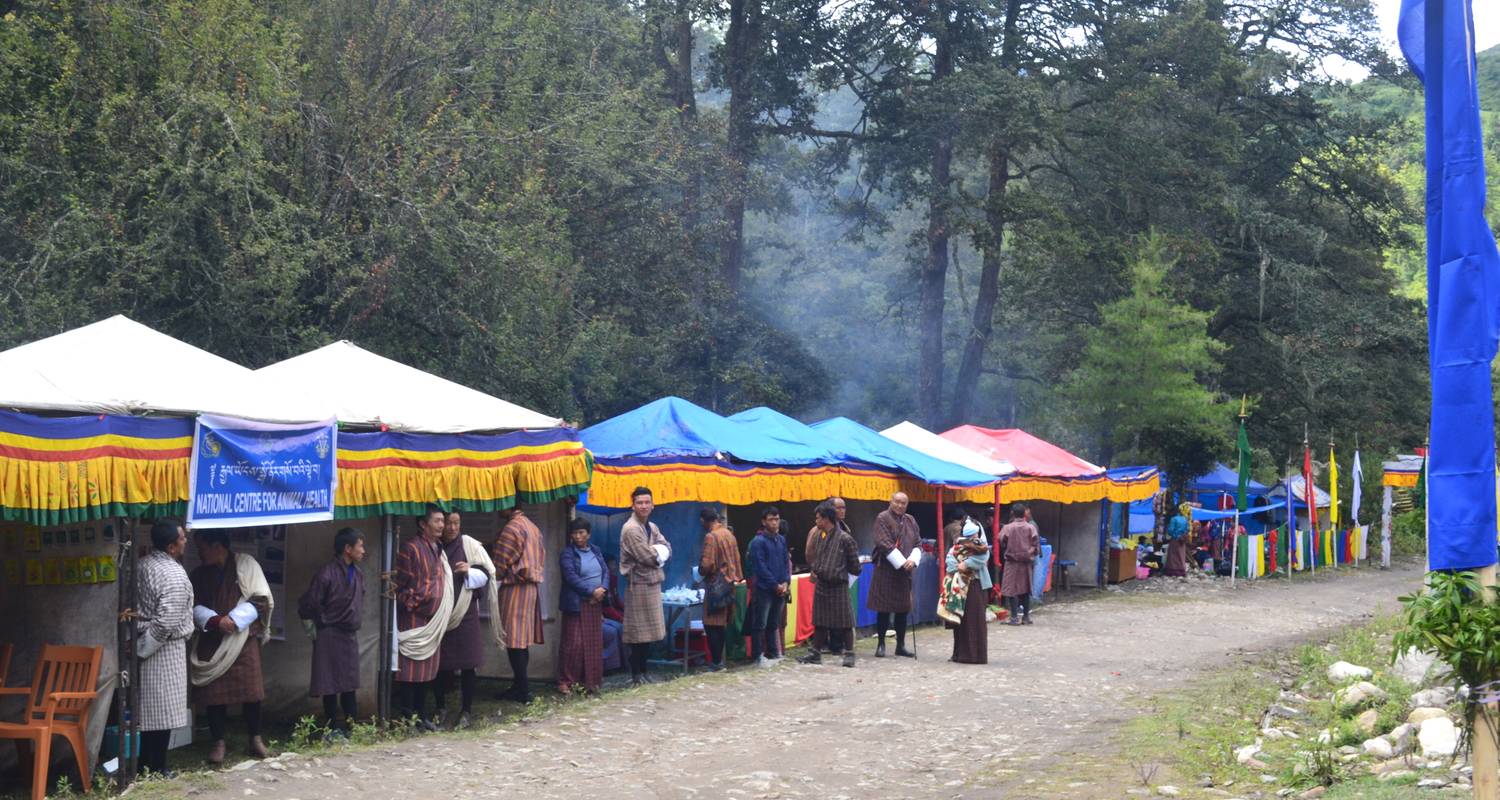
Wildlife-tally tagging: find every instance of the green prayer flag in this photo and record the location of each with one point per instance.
(1241, 500)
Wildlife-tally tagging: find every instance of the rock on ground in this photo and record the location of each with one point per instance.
(1340, 671)
(1358, 695)
(1421, 715)
(1437, 737)
(1413, 666)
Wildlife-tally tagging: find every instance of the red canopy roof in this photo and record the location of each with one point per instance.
(1029, 455)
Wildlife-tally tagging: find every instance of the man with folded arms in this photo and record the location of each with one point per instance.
(231, 611)
(896, 555)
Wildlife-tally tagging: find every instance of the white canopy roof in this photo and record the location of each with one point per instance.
(928, 443)
(368, 389)
(119, 366)
(1299, 490)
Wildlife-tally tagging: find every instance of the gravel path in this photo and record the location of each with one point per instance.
(1037, 721)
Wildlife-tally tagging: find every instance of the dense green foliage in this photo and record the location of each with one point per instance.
(582, 205)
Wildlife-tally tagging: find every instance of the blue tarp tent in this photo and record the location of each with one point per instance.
(1224, 479)
(673, 426)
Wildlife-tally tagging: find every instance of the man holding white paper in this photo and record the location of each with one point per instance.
(643, 553)
(897, 552)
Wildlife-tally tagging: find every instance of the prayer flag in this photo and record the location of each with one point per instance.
(1333, 489)
(1241, 500)
(1463, 286)
(1359, 531)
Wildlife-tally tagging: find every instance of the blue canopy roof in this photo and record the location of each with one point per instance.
(769, 422)
(673, 426)
(1224, 479)
(869, 446)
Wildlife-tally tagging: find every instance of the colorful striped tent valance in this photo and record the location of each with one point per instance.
(59, 470)
(399, 473)
(1401, 479)
(705, 480)
(708, 480)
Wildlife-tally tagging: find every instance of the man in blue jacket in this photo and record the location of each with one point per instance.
(770, 569)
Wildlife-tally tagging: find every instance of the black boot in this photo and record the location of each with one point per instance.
(880, 648)
(814, 657)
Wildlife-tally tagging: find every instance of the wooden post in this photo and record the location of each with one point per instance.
(942, 552)
(1484, 753)
(387, 631)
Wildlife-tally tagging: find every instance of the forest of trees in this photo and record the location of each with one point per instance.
(1105, 221)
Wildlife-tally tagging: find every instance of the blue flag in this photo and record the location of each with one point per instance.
(1463, 287)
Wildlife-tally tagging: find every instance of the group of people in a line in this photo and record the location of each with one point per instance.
(205, 629)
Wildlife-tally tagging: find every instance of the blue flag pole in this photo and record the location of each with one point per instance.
(1463, 287)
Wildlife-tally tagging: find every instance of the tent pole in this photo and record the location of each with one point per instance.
(123, 646)
(128, 575)
(942, 552)
(387, 612)
(994, 530)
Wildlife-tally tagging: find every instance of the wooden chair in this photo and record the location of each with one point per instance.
(57, 704)
(5, 652)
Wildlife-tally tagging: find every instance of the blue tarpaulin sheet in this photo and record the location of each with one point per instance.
(1463, 287)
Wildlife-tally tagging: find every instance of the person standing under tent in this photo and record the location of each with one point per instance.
(770, 569)
(423, 592)
(462, 650)
(520, 566)
(585, 589)
(721, 556)
(164, 621)
(643, 553)
(835, 561)
(330, 612)
(231, 610)
(896, 555)
(1019, 545)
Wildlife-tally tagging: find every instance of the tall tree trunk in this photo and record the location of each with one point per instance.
(673, 49)
(741, 44)
(991, 246)
(934, 276)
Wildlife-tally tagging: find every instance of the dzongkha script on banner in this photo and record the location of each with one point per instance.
(255, 473)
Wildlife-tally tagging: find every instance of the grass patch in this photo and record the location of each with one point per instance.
(1192, 734)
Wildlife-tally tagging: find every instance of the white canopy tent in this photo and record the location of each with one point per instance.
(930, 444)
(372, 390)
(119, 366)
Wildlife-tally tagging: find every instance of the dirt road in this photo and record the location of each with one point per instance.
(1037, 721)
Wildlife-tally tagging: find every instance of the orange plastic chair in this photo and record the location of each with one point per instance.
(57, 704)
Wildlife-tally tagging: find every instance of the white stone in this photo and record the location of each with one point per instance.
(1167, 790)
(1367, 721)
(1357, 695)
(1400, 738)
(1324, 736)
(1421, 715)
(1413, 666)
(1437, 737)
(1272, 734)
(1244, 754)
(1379, 748)
(1432, 783)
(1438, 697)
(1340, 671)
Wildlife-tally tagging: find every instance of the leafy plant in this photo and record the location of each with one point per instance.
(1454, 620)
